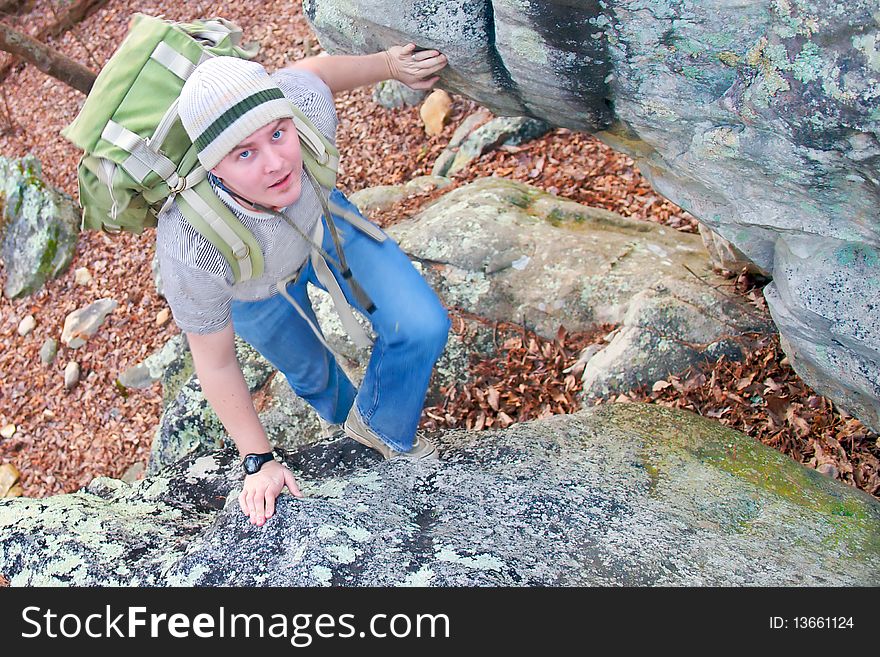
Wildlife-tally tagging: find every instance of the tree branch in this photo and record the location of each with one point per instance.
(46, 59)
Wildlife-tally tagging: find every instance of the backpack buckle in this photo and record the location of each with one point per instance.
(242, 252)
(178, 186)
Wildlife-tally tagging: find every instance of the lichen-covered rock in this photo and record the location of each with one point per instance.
(667, 328)
(392, 94)
(188, 423)
(825, 299)
(627, 495)
(509, 252)
(40, 226)
(545, 59)
(465, 128)
(758, 117)
(382, 197)
(510, 131)
(155, 366)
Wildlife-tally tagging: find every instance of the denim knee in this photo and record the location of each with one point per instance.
(426, 327)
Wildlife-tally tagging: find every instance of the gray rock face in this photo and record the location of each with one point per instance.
(757, 117)
(382, 197)
(667, 328)
(39, 227)
(825, 299)
(509, 252)
(492, 47)
(627, 495)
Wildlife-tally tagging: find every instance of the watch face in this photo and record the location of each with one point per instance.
(253, 462)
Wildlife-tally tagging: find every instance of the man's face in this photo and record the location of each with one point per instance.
(266, 167)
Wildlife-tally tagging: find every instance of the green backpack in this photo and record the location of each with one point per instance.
(138, 156)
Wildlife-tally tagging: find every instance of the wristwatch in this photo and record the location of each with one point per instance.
(253, 462)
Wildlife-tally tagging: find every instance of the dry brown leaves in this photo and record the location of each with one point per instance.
(525, 381)
(764, 398)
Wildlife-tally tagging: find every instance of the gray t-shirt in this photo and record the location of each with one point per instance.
(196, 279)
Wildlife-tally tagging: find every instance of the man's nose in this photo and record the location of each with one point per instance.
(272, 160)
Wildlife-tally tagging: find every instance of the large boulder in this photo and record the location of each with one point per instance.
(758, 117)
(39, 227)
(629, 495)
(510, 252)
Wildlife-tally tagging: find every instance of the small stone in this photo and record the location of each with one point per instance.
(71, 374)
(48, 414)
(26, 325)
(83, 323)
(162, 317)
(48, 351)
(828, 470)
(8, 431)
(82, 276)
(435, 111)
(9, 476)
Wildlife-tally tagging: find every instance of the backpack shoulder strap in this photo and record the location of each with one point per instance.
(320, 157)
(206, 213)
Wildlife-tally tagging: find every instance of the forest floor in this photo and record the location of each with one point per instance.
(64, 438)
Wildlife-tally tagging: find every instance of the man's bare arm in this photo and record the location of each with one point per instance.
(225, 389)
(403, 63)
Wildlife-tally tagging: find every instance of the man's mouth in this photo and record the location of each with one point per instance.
(280, 183)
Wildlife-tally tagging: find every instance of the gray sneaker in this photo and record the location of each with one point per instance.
(358, 430)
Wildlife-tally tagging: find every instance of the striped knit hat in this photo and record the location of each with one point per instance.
(225, 100)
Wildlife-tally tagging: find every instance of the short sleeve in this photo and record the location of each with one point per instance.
(200, 299)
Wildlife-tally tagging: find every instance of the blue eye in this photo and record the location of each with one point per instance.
(244, 155)
(277, 134)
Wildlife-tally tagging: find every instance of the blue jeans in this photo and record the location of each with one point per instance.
(410, 323)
